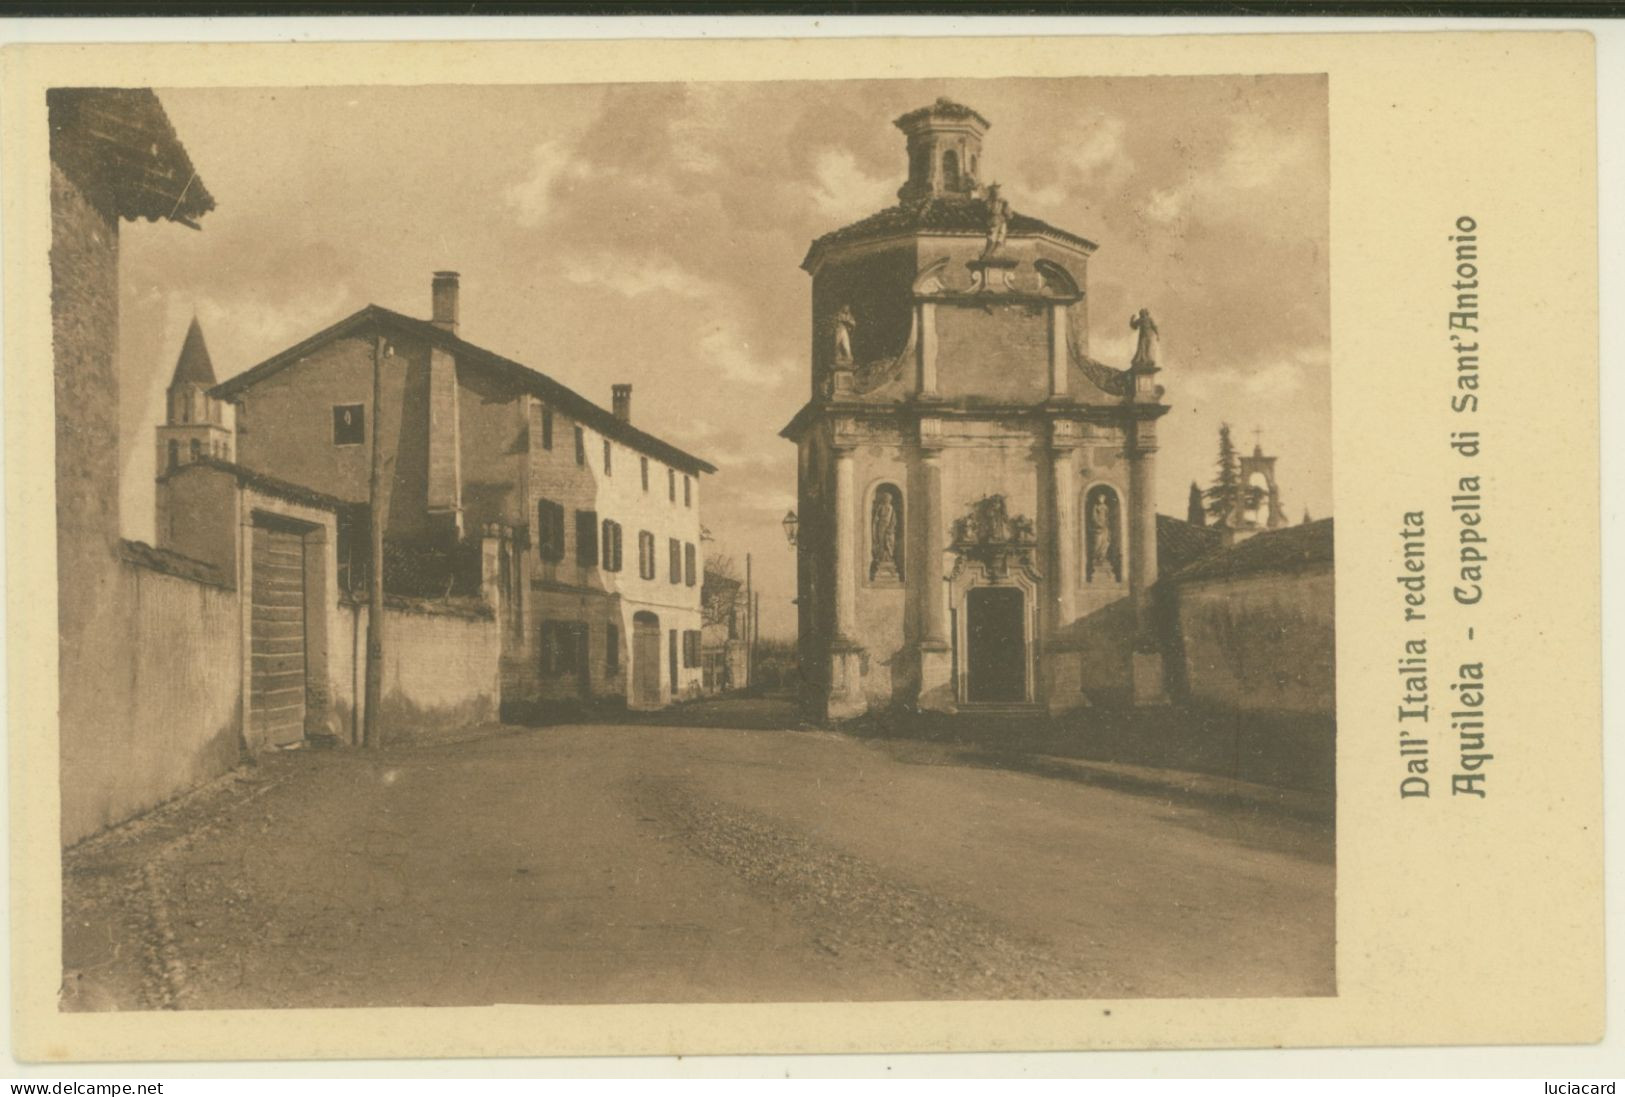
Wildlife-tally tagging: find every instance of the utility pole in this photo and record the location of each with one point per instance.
(370, 734)
(750, 625)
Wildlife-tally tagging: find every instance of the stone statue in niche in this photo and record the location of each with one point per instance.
(1105, 554)
(845, 322)
(998, 221)
(885, 522)
(1145, 352)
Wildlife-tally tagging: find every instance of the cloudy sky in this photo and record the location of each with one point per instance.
(653, 234)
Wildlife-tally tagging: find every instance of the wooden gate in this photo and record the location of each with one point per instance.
(277, 702)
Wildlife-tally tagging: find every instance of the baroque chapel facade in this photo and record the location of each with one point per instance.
(976, 496)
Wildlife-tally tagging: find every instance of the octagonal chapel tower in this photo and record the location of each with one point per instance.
(976, 494)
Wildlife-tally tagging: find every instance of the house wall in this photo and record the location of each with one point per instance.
(441, 669)
(92, 609)
(441, 659)
(1260, 643)
(285, 425)
(494, 441)
(179, 688)
(147, 660)
(566, 590)
(196, 516)
(479, 442)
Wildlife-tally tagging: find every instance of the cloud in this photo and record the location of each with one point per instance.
(634, 276)
(1257, 156)
(1168, 204)
(250, 324)
(1274, 381)
(532, 197)
(1254, 158)
(842, 191)
(727, 350)
(1099, 149)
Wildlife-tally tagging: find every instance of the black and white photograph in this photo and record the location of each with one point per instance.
(694, 542)
(806, 547)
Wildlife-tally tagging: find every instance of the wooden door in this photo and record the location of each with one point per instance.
(646, 659)
(277, 628)
(996, 644)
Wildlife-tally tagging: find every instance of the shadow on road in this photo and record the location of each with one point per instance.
(1287, 763)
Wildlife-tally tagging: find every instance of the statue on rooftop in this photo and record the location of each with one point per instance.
(998, 220)
(1145, 353)
(845, 322)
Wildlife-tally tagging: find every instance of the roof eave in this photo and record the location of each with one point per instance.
(820, 248)
(605, 420)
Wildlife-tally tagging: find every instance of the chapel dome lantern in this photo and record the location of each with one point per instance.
(944, 150)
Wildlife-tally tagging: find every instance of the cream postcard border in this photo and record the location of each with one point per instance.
(1458, 921)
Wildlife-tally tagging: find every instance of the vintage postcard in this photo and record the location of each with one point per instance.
(870, 545)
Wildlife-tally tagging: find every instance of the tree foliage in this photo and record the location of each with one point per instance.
(1224, 497)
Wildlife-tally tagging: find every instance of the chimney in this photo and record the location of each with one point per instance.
(445, 301)
(623, 402)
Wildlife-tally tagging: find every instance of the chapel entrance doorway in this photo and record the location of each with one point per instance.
(996, 645)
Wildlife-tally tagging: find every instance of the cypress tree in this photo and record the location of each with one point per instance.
(1195, 514)
(1224, 497)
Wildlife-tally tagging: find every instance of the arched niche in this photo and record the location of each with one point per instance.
(1104, 558)
(883, 534)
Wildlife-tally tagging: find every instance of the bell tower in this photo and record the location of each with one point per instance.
(944, 151)
(1258, 507)
(194, 422)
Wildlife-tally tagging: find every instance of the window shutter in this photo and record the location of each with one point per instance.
(587, 538)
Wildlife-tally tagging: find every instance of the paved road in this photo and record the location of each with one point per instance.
(650, 864)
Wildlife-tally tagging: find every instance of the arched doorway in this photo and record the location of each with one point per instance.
(645, 659)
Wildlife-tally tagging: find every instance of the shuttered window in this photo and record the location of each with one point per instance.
(587, 538)
(646, 555)
(610, 546)
(550, 529)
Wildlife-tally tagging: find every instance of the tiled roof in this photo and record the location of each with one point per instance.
(118, 143)
(1290, 548)
(194, 365)
(270, 485)
(1179, 543)
(949, 215)
(942, 108)
(555, 393)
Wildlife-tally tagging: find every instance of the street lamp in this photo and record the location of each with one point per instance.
(790, 523)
